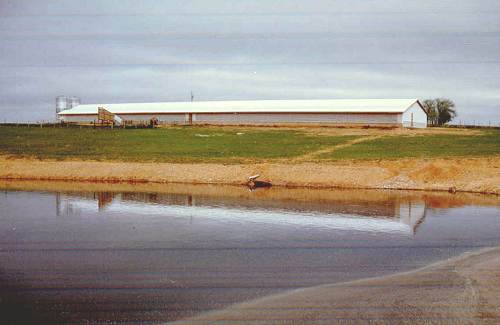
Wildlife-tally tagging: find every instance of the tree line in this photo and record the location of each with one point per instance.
(439, 111)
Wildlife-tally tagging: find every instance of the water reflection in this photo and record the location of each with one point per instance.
(403, 216)
(77, 253)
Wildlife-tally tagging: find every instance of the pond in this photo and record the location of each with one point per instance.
(123, 253)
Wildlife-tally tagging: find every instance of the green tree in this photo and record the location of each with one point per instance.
(430, 109)
(439, 111)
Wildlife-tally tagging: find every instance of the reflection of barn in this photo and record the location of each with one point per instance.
(412, 213)
(382, 215)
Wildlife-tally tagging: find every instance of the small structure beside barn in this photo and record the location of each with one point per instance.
(346, 112)
(105, 117)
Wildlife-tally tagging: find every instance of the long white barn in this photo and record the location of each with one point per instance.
(373, 112)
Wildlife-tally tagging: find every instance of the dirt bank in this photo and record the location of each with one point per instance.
(464, 174)
(462, 290)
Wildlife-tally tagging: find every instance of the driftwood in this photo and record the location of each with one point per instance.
(253, 183)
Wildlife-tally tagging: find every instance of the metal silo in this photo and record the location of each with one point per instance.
(61, 103)
(73, 101)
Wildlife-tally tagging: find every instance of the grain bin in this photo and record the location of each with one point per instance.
(73, 101)
(61, 103)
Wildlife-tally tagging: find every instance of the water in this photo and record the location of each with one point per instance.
(115, 254)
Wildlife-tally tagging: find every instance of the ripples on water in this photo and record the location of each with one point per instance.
(77, 253)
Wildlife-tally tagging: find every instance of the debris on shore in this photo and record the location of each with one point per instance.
(253, 183)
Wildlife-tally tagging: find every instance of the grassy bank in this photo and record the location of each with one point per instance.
(231, 144)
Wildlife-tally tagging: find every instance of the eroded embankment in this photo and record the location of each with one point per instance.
(480, 175)
(462, 290)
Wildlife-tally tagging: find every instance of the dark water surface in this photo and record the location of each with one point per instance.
(88, 254)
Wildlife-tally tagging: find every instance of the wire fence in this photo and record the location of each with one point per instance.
(59, 125)
(42, 124)
(145, 124)
(475, 124)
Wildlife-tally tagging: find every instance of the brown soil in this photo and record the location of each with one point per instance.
(351, 130)
(463, 174)
(463, 290)
(315, 154)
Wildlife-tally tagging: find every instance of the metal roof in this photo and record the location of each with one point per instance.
(253, 106)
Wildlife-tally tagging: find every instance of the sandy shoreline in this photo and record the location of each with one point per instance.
(460, 290)
(479, 175)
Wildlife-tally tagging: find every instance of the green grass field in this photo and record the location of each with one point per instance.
(179, 144)
(232, 145)
(487, 143)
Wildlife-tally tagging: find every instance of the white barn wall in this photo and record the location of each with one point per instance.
(78, 118)
(317, 118)
(255, 118)
(166, 118)
(419, 117)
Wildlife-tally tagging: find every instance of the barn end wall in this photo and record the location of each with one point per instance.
(419, 119)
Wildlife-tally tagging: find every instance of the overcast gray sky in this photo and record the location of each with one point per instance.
(137, 51)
